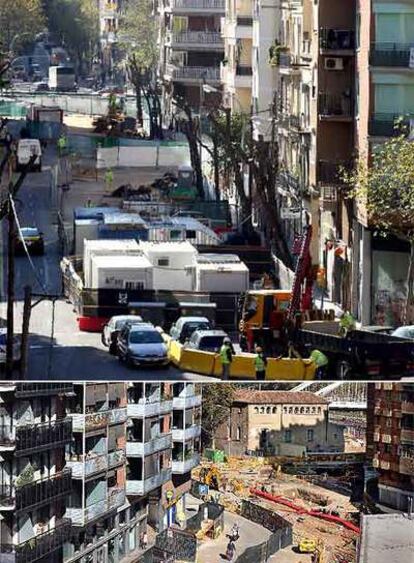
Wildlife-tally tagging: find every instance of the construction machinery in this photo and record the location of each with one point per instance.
(211, 476)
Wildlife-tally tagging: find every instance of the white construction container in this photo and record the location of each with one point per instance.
(176, 229)
(173, 264)
(85, 229)
(121, 272)
(222, 277)
(106, 247)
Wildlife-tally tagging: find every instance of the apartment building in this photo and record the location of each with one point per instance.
(109, 13)
(191, 50)
(384, 92)
(390, 443)
(278, 423)
(34, 480)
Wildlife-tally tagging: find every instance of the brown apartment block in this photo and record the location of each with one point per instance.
(390, 442)
(278, 423)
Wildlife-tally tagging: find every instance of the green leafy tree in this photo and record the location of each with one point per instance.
(76, 24)
(137, 37)
(20, 21)
(217, 400)
(384, 183)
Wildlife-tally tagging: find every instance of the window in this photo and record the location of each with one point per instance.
(285, 410)
(268, 410)
(130, 285)
(302, 410)
(190, 234)
(175, 235)
(290, 410)
(296, 411)
(288, 436)
(307, 410)
(310, 435)
(163, 262)
(274, 410)
(238, 433)
(256, 410)
(262, 410)
(319, 410)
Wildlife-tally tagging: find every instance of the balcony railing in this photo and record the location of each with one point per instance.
(215, 5)
(246, 21)
(197, 38)
(289, 181)
(42, 389)
(94, 421)
(193, 72)
(38, 547)
(80, 517)
(140, 448)
(117, 416)
(331, 39)
(186, 402)
(184, 464)
(389, 125)
(86, 466)
(390, 54)
(142, 486)
(43, 491)
(407, 407)
(335, 105)
(244, 70)
(181, 434)
(330, 172)
(407, 435)
(116, 458)
(37, 437)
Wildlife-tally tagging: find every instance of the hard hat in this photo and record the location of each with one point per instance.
(259, 349)
(227, 340)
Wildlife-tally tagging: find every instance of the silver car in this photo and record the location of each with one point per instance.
(142, 345)
(111, 330)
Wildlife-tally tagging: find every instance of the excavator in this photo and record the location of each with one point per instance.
(211, 476)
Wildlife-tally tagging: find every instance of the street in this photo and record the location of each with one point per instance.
(57, 349)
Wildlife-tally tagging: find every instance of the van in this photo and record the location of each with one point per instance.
(25, 149)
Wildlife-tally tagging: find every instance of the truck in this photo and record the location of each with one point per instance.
(62, 78)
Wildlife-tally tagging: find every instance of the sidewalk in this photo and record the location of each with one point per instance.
(213, 551)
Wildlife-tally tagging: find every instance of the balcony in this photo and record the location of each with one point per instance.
(85, 466)
(181, 434)
(244, 21)
(299, 123)
(140, 449)
(336, 41)
(97, 420)
(140, 410)
(43, 491)
(193, 74)
(390, 54)
(288, 181)
(141, 487)
(407, 466)
(42, 389)
(336, 107)
(330, 172)
(37, 437)
(186, 402)
(184, 465)
(118, 457)
(407, 407)
(243, 78)
(407, 436)
(288, 63)
(198, 40)
(188, 7)
(237, 28)
(38, 547)
(388, 124)
(80, 517)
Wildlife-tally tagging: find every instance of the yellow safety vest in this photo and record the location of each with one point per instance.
(259, 363)
(224, 358)
(319, 358)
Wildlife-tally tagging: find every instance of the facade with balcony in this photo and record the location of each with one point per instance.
(186, 428)
(390, 415)
(35, 483)
(191, 49)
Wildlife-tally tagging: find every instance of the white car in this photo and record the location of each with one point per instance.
(406, 332)
(112, 328)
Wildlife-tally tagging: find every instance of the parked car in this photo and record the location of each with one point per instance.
(111, 330)
(207, 340)
(41, 87)
(185, 326)
(406, 332)
(3, 348)
(33, 239)
(142, 345)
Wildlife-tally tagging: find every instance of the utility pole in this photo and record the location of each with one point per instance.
(228, 139)
(27, 308)
(10, 287)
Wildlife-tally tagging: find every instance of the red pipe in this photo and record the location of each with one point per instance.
(301, 510)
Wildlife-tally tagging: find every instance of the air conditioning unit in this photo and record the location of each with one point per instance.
(334, 63)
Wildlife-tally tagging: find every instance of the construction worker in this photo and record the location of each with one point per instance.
(62, 143)
(260, 363)
(321, 362)
(226, 357)
(109, 180)
(347, 323)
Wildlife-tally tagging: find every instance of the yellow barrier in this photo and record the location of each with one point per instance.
(242, 366)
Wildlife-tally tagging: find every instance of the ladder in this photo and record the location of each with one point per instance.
(301, 247)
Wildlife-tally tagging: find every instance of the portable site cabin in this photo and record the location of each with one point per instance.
(221, 273)
(173, 264)
(121, 272)
(123, 225)
(108, 248)
(176, 229)
(86, 222)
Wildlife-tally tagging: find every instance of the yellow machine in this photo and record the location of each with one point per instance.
(211, 476)
(263, 313)
(307, 545)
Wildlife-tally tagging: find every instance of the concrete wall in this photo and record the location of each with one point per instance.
(152, 155)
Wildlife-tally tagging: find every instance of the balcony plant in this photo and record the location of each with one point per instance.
(274, 53)
(26, 476)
